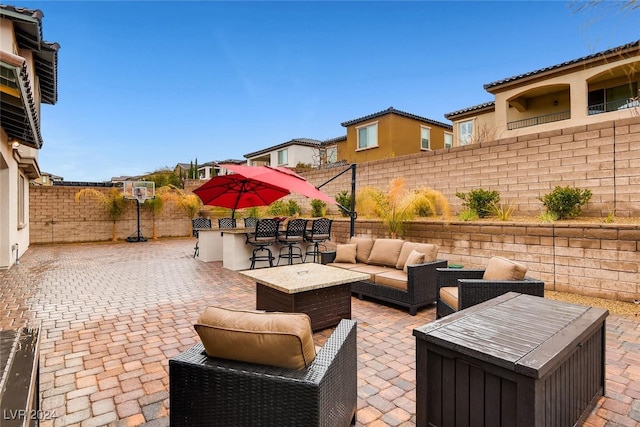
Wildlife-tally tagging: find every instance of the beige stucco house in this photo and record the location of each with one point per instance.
(290, 154)
(592, 89)
(28, 77)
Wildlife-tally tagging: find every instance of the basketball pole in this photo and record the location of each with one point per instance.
(138, 237)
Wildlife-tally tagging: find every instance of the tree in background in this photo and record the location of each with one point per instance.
(112, 201)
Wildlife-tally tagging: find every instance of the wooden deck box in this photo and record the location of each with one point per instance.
(516, 360)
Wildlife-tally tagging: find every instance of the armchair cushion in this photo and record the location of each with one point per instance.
(385, 252)
(414, 257)
(346, 253)
(449, 295)
(429, 250)
(364, 248)
(499, 268)
(276, 339)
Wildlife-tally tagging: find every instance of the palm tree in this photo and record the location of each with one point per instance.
(113, 202)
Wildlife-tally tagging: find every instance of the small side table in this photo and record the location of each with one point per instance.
(19, 377)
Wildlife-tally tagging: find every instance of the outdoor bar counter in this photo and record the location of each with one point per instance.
(229, 246)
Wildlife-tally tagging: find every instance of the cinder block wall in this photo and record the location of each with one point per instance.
(598, 260)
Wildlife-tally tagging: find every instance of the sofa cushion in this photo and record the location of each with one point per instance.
(277, 339)
(371, 270)
(364, 248)
(414, 257)
(429, 250)
(347, 265)
(499, 268)
(450, 296)
(385, 252)
(346, 253)
(393, 278)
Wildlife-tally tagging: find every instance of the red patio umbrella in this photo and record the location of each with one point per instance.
(236, 191)
(281, 177)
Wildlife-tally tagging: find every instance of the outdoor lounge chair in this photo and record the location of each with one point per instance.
(462, 288)
(207, 391)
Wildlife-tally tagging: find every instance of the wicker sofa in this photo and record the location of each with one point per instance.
(208, 391)
(462, 288)
(385, 260)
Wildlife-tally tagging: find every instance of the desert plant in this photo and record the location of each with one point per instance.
(252, 212)
(479, 200)
(190, 205)
(318, 208)
(468, 215)
(344, 199)
(395, 206)
(428, 202)
(547, 217)
(163, 194)
(502, 211)
(112, 201)
(565, 202)
(281, 208)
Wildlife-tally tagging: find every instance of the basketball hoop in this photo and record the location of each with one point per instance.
(138, 191)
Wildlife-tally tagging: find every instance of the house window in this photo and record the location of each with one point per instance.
(332, 154)
(21, 201)
(612, 99)
(448, 140)
(367, 136)
(425, 138)
(283, 157)
(465, 129)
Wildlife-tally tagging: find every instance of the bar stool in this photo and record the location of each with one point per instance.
(266, 234)
(320, 232)
(293, 235)
(226, 223)
(196, 224)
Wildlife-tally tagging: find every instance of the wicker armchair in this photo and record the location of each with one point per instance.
(472, 289)
(207, 391)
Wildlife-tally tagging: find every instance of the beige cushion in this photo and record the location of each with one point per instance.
(346, 265)
(385, 252)
(450, 296)
(414, 257)
(346, 253)
(276, 339)
(370, 269)
(429, 250)
(364, 248)
(393, 278)
(499, 268)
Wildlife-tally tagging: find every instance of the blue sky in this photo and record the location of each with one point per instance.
(145, 85)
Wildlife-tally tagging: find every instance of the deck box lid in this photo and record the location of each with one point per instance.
(522, 333)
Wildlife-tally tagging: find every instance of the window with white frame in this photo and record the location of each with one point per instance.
(21, 201)
(283, 156)
(465, 131)
(367, 136)
(332, 154)
(448, 140)
(425, 138)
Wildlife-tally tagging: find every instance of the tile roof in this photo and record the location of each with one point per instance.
(486, 105)
(308, 142)
(333, 140)
(392, 110)
(594, 57)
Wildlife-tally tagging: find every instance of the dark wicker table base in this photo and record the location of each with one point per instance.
(326, 306)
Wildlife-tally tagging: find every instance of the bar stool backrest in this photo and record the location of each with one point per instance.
(250, 222)
(266, 230)
(296, 228)
(226, 223)
(197, 223)
(320, 229)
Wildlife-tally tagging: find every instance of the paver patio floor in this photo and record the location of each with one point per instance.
(112, 314)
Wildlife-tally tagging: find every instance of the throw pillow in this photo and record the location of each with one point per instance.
(267, 338)
(364, 248)
(385, 252)
(499, 268)
(414, 257)
(346, 253)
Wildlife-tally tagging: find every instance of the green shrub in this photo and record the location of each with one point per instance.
(468, 215)
(479, 200)
(281, 208)
(344, 199)
(318, 208)
(502, 211)
(547, 217)
(565, 202)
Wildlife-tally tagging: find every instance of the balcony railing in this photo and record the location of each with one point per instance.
(615, 105)
(532, 121)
